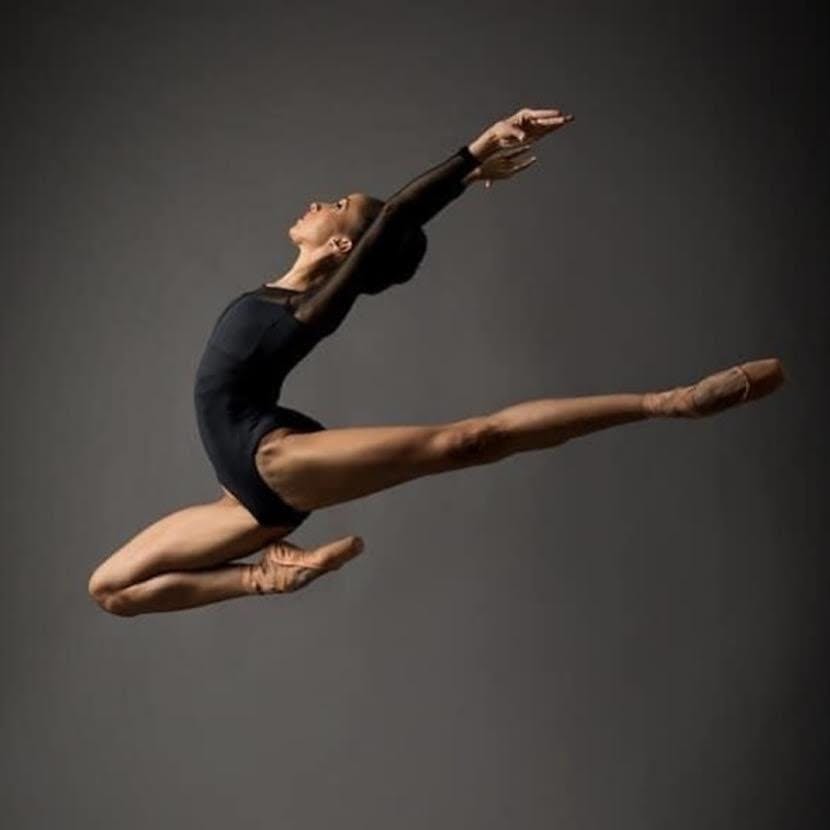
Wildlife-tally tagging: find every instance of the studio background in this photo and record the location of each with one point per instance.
(625, 632)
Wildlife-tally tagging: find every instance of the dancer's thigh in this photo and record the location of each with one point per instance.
(310, 470)
(198, 536)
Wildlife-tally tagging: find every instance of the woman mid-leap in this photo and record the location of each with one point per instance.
(275, 465)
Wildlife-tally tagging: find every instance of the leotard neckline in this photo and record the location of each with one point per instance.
(282, 288)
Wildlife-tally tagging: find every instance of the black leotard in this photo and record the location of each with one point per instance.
(262, 334)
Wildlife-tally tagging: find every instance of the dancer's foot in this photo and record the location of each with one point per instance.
(722, 390)
(284, 567)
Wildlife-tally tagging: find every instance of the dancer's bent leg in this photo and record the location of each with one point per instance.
(180, 561)
(282, 568)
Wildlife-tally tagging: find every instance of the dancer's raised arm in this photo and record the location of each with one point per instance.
(414, 205)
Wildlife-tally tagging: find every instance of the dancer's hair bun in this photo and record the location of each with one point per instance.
(400, 263)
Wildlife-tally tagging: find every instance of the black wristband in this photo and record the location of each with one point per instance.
(464, 152)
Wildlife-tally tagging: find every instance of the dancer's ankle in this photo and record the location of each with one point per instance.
(653, 404)
(669, 403)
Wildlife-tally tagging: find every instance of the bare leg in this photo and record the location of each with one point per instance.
(548, 422)
(284, 567)
(177, 562)
(311, 470)
(194, 537)
(177, 590)
(318, 469)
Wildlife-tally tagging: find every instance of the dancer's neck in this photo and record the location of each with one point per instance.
(306, 272)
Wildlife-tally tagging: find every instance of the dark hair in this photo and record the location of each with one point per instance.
(402, 256)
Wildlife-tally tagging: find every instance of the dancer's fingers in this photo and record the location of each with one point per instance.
(514, 151)
(522, 164)
(512, 139)
(554, 120)
(527, 112)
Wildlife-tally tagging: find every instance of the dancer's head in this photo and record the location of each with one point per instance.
(328, 231)
(334, 224)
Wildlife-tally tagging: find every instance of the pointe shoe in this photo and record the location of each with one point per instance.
(285, 567)
(719, 391)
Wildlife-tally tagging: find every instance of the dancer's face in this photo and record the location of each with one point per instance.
(324, 221)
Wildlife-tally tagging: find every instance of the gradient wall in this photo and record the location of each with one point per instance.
(625, 632)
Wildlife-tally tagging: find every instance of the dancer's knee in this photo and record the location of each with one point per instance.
(110, 598)
(474, 441)
(113, 602)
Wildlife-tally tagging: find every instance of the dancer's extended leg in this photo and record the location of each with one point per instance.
(319, 469)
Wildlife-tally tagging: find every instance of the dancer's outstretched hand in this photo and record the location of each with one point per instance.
(537, 123)
(501, 165)
(520, 129)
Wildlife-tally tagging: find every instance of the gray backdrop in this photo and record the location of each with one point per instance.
(624, 632)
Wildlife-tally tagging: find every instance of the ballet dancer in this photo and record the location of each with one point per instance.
(275, 465)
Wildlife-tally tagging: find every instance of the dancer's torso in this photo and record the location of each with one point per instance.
(254, 344)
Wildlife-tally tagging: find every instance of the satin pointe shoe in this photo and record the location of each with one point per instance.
(284, 567)
(719, 391)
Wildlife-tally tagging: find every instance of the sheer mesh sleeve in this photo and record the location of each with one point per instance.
(415, 203)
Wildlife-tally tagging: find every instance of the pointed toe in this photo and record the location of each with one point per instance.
(765, 376)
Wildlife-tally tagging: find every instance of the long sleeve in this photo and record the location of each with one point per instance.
(413, 205)
(421, 199)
